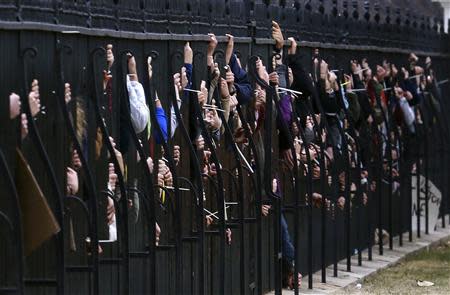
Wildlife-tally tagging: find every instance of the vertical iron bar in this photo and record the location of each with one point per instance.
(95, 94)
(18, 231)
(93, 199)
(36, 138)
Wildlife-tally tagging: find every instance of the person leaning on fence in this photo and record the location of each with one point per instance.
(139, 112)
(328, 94)
(288, 250)
(331, 102)
(363, 125)
(183, 83)
(211, 118)
(235, 89)
(302, 82)
(141, 120)
(365, 106)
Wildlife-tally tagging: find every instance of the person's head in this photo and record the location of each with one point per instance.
(399, 93)
(367, 74)
(260, 97)
(332, 78)
(381, 73)
(348, 82)
(262, 71)
(295, 130)
(288, 274)
(413, 59)
(387, 67)
(428, 62)
(394, 71)
(290, 77)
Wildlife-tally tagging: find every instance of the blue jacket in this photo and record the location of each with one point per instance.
(243, 88)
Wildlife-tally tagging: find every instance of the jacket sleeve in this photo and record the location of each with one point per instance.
(173, 117)
(408, 114)
(162, 122)
(138, 108)
(243, 87)
(363, 98)
(284, 117)
(302, 81)
(410, 86)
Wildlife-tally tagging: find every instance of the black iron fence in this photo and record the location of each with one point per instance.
(63, 41)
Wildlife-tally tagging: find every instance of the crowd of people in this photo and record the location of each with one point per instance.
(326, 121)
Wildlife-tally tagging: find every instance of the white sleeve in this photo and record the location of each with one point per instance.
(138, 108)
(173, 119)
(408, 113)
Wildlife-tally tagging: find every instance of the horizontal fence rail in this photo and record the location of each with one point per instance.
(368, 23)
(130, 166)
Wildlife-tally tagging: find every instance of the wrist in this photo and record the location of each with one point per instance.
(279, 44)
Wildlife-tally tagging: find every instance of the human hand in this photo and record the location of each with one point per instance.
(200, 142)
(177, 82)
(212, 44)
(230, 48)
(262, 72)
(229, 76)
(34, 98)
(112, 177)
(157, 233)
(76, 161)
(184, 79)
(14, 105)
(224, 91)
(176, 154)
(150, 164)
(341, 202)
(203, 95)
(265, 210)
(110, 211)
(233, 102)
(149, 67)
(188, 54)
(323, 70)
(109, 55)
(72, 181)
(277, 35)
(213, 120)
(293, 47)
(260, 98)
(274, 78)
(132, 70)
(23, 126)
(67, 93)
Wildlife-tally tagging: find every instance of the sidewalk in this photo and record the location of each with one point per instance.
(338, 285)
